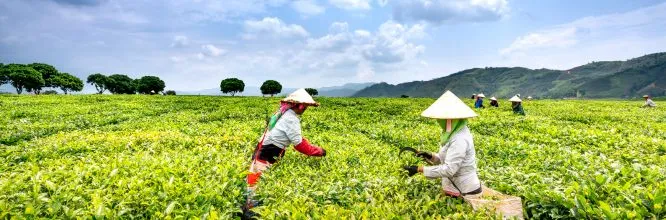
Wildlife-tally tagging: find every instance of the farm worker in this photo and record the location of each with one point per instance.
(529, 98)
(283, 129)
(473, 95)
(648, 102)
(516, 105)
(479, 101)
(455, 163)
(493, 102)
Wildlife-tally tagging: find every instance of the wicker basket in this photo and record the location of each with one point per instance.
(509, 207)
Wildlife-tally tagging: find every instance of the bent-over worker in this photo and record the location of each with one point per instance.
(455, 163)
(283, 129)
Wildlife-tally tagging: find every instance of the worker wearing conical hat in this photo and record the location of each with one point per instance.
(479, 101)
(648, 102)
(455, 163)
(283, 129)
(493, 102)
(474, 96)
(516, 105)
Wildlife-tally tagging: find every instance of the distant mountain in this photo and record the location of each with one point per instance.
(342, 91)
(607, 79)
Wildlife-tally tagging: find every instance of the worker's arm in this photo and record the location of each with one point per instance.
(300, 143)
(454, 158)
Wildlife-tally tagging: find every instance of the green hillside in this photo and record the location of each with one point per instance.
(607, 79)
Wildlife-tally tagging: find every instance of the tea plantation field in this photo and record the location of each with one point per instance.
(181, 157)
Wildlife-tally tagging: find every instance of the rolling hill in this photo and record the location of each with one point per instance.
(605, 79)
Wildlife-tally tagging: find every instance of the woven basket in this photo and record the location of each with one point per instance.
(509, 207)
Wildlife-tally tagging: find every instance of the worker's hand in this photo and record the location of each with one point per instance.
(424, 155)
(411, 169)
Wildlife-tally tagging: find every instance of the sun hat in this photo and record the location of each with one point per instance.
(515, 99)
(300, 96)
(493, 98)
(448, 106)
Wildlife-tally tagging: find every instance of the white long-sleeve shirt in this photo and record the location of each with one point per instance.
(649, 103)
(287, 131)
(457, 160)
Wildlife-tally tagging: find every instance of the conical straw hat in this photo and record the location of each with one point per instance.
(515, 99)
(646, 96)
(448, 106)
(481, 95)
(300, 96)
(493, 98)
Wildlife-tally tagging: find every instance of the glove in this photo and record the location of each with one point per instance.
(411, 169)
(424, 155)
(308, 149)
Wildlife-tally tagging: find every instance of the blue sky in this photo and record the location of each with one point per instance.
(194, 44)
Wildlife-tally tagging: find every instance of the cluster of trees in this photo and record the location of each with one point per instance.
(123, 84)
(37, 76)
(269, 87)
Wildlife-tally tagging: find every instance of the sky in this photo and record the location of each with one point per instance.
(194, 44)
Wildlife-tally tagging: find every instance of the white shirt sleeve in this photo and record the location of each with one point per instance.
(452, 162)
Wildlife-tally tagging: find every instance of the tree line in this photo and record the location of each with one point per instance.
(36, 77)
(269, 87)
(123, 84)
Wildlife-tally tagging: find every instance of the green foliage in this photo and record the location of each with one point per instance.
(271, 87)
(67, 82)
(24, 77)
(121, 84)
(232, 85)
(312, 91)
(4, 74)
(149, 85)
(100, 82)
(170, 92)
(616, 79)
(47, 71)
(104, 157)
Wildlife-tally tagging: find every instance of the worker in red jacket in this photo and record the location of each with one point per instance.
(283, 129)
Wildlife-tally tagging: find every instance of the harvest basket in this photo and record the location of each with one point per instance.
(509, 207)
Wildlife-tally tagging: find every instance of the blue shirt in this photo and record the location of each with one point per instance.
(478, 103)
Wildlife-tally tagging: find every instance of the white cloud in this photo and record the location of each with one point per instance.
(211, 50)
(351, 4)
(274, 27)
(557, 37)
(180, 41)
(607, 37)
(364, 71)
(382, 2)
(450, 11)
(307, 7)
(392, 43)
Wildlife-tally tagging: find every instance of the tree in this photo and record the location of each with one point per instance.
(120, 84)
(67, 82)
(47, 71)
(149, 85)
(4, 74)
(99, 81)
(232, 85)
(170, 92)
(312, 91)
(271, 87)
(24, 77)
